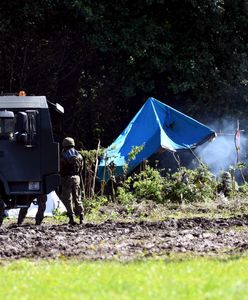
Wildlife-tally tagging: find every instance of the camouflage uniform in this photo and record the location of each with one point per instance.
(71, 168)
(41, 201)
(226, 184)
(71, 194)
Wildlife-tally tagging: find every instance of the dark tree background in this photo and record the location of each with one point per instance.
(102, 59)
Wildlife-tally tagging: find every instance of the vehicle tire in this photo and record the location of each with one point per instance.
(2, 206)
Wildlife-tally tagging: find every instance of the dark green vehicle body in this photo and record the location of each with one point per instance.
(29, 157)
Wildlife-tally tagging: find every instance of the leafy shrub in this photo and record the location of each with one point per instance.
(184, 185)
(148, 184)
(93, 204)
(243, 189)
(124, 196)
(190, 185)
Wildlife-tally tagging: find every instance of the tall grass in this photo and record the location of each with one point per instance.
(195, 278)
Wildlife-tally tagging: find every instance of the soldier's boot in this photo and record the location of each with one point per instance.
(20, 221)
(71, 220)
(38, 221)
(81, 218)
(21, 216)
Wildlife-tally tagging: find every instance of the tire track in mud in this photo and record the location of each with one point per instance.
(125, 240)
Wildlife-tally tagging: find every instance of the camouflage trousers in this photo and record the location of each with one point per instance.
(71, 195)
(41, 201)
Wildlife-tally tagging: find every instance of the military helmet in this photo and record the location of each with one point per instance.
(226, 174)
(68, 142)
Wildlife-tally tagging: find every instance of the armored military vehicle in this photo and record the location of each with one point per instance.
(29, 157)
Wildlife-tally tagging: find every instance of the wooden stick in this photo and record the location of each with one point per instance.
(95, 172)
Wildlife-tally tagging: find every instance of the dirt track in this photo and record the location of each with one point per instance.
(125, 241)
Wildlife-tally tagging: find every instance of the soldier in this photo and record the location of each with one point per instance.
(225, 185)
(41, 201)
(71, 168)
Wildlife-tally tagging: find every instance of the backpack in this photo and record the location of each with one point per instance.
(72, 165)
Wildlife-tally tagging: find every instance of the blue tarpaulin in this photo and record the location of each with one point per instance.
(156, 126)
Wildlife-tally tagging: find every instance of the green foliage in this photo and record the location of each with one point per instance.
(243, 189)
(190, 185)
(57, 213)
(92, 205)
(184, 185)
(135, 150)
(100, 60)
(90, 156)
(124, 196)
(238, 167)
(148, 184)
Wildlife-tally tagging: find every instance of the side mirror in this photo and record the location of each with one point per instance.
(59, 108)
(22, 122)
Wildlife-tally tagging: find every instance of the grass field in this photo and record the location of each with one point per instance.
(172, 278)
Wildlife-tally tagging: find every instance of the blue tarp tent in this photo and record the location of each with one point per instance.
(156, 126)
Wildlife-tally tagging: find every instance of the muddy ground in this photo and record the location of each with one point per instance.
(125, 240)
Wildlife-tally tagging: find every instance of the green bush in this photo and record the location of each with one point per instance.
(184, 185)
(149, 184)
(93, 204)
(124, 196)
(190, 185)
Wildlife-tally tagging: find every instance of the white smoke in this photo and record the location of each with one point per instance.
(220, 154)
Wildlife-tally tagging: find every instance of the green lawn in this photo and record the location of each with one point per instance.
(193, 278)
